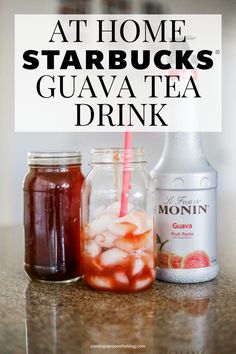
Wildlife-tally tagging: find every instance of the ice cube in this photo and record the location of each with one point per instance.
(143, 221)
(100, 282)
(100, 224)
(131, 242)
(139, 218)
(106, 239)
(121, 229)
(113, 256)
(114, 208)
(121, 278)
(138, 266)
(143, 283)
(92, 249)
(124, 244)
(128, 219)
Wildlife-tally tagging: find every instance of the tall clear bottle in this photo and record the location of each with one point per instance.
(186, 211)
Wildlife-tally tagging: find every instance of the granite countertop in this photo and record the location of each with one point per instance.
(168, 319)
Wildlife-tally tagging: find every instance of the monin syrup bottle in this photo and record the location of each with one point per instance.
(186, 211)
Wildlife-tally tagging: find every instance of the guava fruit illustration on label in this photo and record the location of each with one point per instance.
(175, 261)
(163, 259)
(169, 260)
(197, 259)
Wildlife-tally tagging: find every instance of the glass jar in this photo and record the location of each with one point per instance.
(118, 252)
(52, 216)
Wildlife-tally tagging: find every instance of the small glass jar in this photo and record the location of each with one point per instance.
(118, 252)
(52, 216)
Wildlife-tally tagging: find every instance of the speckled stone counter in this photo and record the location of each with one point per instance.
(168, 319)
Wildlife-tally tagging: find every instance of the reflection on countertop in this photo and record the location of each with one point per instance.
(168, 319)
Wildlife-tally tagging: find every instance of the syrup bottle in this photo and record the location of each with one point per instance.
(186, 211)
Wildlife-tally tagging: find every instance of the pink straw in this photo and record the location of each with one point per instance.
(126, 174)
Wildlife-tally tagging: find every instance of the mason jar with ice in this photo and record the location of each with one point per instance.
(118, 240)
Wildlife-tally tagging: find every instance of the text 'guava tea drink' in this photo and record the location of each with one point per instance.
(118, 252)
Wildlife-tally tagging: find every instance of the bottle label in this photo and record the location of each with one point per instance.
(186, 228)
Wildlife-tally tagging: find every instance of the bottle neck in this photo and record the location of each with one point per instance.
(185, 146)
(182, 154)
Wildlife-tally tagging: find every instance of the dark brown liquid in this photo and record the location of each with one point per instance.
(52, 222)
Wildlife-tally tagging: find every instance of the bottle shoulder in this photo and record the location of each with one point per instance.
(181, 165)
(186, 175)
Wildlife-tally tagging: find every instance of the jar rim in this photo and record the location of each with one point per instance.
(117, 155)
(47, 158)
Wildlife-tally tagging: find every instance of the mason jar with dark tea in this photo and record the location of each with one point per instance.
(52, 216)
